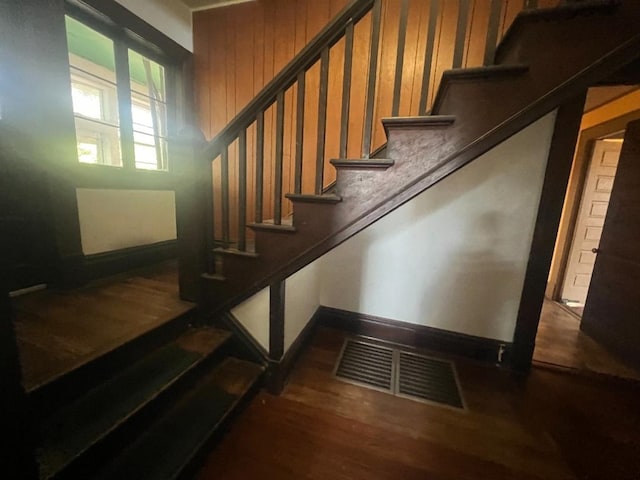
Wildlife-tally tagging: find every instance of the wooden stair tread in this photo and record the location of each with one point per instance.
(168, 446)
(362, 163)
(272, 227)
(419, 121)
(486, 71)
(307, 198)
(76, 428)
(425, 121)
(236, 252)
(216, 277)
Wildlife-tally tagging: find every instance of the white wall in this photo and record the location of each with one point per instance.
(455, 256)
(253, 315)
(171, 17)
(301, 301)
(115, 219)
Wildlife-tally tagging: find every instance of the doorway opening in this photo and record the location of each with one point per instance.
(592, 211)
(561, 340)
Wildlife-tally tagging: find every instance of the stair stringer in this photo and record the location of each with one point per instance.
(488, 108)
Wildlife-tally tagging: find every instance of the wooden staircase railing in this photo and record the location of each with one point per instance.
(473, 110)
(247, 161)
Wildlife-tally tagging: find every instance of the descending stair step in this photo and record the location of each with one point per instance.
(364, 164)
(83, 424)
(168, 446)
(236, 252)
(304, 198)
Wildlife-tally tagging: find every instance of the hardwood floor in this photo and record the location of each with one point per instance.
(552, 426)
(58, 331)
(561, 342)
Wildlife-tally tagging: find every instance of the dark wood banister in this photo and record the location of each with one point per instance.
(288, 76)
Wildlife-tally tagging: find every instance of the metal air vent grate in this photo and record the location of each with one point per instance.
(402, 373)
(428, 379)
(366, 364)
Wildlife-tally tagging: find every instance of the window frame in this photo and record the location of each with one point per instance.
(125, 39)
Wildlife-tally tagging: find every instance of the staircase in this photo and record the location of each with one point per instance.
(547, 57)
(151, 416)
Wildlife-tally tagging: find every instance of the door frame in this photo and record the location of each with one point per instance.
(559, 163)
(571, 207)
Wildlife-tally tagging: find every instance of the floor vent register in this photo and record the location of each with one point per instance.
(399, 372)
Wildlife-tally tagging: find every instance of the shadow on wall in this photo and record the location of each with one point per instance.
(475, 284)
(454, 257)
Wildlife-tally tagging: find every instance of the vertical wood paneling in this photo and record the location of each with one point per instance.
(478, 29)
(239, 49)
(232, 71)
(284, 51)
(270, 16)
(202, 44)
(413, 58)
(361, 47)
(445, 41)
(386, 68)
(510, 10)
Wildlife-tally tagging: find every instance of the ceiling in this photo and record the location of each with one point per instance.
(206, 4)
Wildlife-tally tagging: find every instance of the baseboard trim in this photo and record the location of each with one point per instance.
(279, 371)
(419, 336)
(117, 261)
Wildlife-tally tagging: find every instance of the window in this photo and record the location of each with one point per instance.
(149, 112)
(120, 112)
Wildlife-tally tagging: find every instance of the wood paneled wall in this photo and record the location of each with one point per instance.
(239, 49)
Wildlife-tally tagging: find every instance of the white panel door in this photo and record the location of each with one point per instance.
(593, 210)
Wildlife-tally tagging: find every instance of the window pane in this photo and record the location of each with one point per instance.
(94, 94)
(98, 143)
(90, 51)
(87, 100)
(150, 151)
(147, 76)
(149, 112)
(149, 116)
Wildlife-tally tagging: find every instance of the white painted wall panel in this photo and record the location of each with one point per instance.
(301, 301)
(253, 314)
(455, 256)
(116, 219)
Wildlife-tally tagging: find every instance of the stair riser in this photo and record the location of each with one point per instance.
(532, 28)
(98, 454)
(461, 94)
(354, 184)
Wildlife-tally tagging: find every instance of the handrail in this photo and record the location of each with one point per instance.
(288, 76)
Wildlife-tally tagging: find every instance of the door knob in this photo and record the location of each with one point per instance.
(595, 250)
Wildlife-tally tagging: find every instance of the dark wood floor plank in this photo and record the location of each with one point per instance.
(321, 427)
(561, 342)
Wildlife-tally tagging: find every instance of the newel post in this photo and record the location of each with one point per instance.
(194, 218)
